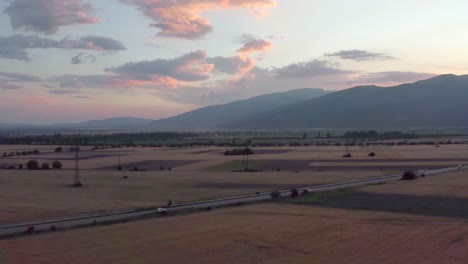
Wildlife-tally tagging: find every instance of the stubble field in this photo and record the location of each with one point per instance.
(397, 222)
(196, 174)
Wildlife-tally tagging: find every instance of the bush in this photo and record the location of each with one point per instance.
(347, 155)
(275, 194)
(35, 152)
(58, 150)
(372, 154)
(238, 152)
(57, 165)
(409, 176)
(32, 165)
(45, 166)
(74, 149)
(294, 193)
(20, 166)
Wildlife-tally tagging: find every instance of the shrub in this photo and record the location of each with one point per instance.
(20, 166)
(305, 191)
(294, 193)
(57, 165)
(32, 165)
(238, 152)
(409, 176)
(372, 154)
(347, 155)
(119, 168)
(275, 194)
(74, 149)
(45, 166)
(58, 150)
(35, 152)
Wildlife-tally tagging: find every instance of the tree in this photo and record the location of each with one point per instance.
(57, 165)
(275, 194)
(35, 152)
(294, 193)
(409, 176)
(32, 165)
(45, 166)
(58, 150)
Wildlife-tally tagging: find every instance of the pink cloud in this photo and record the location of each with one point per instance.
(255, 45)
(182, 19)
(244, 74)
(46, 16)
(191, 67)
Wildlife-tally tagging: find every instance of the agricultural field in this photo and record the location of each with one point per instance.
(422, 221)
(157, 175)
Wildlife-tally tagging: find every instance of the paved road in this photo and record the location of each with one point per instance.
(91, 219)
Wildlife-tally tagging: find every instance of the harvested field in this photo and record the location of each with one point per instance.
(255, 186)
(333, 231)
(34, 194)
(42, 194)
(152, 165)
(272, 151)
(203, 151)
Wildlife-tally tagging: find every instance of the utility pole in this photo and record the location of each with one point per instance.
(246, 161)
(77, 181)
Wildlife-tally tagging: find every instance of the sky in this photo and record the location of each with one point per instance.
(76, 60)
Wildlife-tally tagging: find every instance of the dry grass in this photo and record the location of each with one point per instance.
(268, 233)
(36, 194)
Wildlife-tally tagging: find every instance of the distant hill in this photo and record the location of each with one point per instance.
(110, 123)
(437, 102)
(217, 116)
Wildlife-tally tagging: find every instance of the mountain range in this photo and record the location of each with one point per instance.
(221, 116)
(437, 102)
(441, 101)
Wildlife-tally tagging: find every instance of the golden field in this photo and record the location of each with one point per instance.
(197, 173)
(405, 225)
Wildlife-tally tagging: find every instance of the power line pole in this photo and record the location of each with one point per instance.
(77, 181)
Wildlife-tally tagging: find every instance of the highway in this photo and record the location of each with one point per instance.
(91, 219)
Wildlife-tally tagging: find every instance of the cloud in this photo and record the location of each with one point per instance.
(360, 55)
(91, 43)
(309, 69)
(182, 18)
(64, 92)
(79, 81)
(82, 97)
(46, 16)
(16, 46)
(19, 77)
(231, 65)
(255, 45)
(82, 58)
(189, 67)
(4, 85)
(391, 77)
